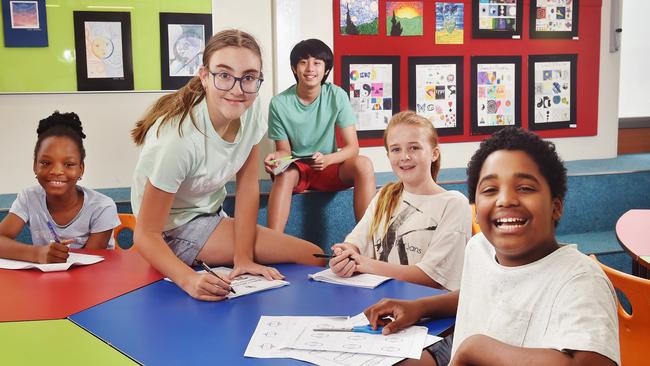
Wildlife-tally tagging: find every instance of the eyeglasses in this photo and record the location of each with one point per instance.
(249, 83)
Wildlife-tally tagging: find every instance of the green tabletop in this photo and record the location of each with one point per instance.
(54, 342)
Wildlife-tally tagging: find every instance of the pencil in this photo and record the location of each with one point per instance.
(207, 268)
(53, 232)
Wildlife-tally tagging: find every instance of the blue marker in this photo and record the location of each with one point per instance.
(53, 232)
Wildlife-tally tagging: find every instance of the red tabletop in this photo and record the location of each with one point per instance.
(30, 294)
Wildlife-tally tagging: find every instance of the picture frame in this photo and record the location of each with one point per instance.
(496, 93)
(103, 48)
(372, 84)
(552, 91)
(25, 23)
(436, 91)
(182, 40)
(550, 19)
(497, 18)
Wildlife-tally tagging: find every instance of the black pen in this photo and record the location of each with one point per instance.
(207, 268)
(327, 256)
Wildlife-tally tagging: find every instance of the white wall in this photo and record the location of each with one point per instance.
(108, 117)
(635, 58)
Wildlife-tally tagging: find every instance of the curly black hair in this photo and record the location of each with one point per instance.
(61, 124)
(312, 48)
(542, 152)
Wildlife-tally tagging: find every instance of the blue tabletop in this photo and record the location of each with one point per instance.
(160, 324)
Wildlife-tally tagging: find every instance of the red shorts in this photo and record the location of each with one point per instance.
(320, 180)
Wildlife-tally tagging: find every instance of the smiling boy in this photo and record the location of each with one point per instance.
(523, 299)
(302, 122)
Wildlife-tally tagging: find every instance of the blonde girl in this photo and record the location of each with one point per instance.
(414, 230)
(193, 142)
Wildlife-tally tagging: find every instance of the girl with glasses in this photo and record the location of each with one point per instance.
(193, 142)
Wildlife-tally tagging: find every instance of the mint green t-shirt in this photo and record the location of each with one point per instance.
(195, 166)
(310, 128)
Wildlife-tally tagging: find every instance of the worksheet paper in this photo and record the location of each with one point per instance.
(245, 284)
(274, 336)
(364, 280)
(74, 259)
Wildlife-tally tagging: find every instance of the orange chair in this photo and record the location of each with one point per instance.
(634, 329)
(128, 222)
(475, 228)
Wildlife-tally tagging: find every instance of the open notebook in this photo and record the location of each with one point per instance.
(285, 162)
(76, 259)
(246, 284)
(359, 280)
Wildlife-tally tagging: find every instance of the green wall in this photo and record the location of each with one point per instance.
(52, 68)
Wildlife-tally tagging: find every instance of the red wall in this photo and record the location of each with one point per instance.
(587, 47)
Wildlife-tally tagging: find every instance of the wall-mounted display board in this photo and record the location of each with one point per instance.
(53, 68)
(586, 47)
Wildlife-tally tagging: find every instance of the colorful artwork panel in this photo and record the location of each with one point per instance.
(552, 92)
(436, 92)
(404, 18)
(372, 84)
(450, 23)
(497, 18)
(25, 23)
(496, 92)
(554, 18)
(359, 17)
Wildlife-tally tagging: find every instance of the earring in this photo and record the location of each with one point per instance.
(79, 178)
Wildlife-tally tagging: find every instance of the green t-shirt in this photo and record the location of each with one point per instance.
(310, 128)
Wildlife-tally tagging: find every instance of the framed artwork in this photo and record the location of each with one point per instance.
(404, 18)
(372, 83)
(359, 17)
(25, 23)
(497, 18)
(554, 18)
(182, 41)
(436, 92)
(450, 23)
(552, 91)
(496, 93)
(103, 46)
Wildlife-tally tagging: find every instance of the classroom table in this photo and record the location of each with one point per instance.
(29, 294)
(633, 234)
(161, 325)
(49, 342)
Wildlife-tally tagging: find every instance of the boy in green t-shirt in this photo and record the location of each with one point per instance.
(302, 122)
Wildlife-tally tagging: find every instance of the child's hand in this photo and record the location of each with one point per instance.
(253, 268)
(53, 252)
(206, 287)
(405, 313)
(343, 264)
(320, 161)
(268, 164)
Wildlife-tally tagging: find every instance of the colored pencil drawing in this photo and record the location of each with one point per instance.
(497, 15)
(24, 14)
(436, 96)
(359, 17)
(450, 23)
(404, 18)
(104, 49)
(371, 91)
(554, 16)
(496, 94)
(186, 43)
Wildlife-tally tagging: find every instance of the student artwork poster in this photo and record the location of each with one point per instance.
(359, 17)
(371, 91)
(497, 15)
(104, 50)
(552, 92)
(495, 94)
(554, 16)
(450, 23)
(404, 18)
(186, 44)
(436, 94)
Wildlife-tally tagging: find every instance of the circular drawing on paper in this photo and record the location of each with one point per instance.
(267, 346)
(271, 334)
(102, 47)
(356, 337)
(390, 349)
(320, 335)
(351, 346)
(274, 324)
(313, 344)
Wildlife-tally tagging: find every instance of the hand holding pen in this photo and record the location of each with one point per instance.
(210, 271)
(56, 251)
(342, 263)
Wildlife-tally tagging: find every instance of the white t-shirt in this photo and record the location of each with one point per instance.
(429, 231)
(195, 166)
(97, 214)
(563, 301)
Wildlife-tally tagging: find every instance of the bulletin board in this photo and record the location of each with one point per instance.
(53, 68)
(586, 46)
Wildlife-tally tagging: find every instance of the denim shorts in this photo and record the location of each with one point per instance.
(186, 241)
(441, 351)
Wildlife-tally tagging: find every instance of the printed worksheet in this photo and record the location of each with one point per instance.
(74, 259)
(364, 280)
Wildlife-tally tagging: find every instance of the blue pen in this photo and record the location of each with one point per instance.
(356, 329)
(53, 232)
